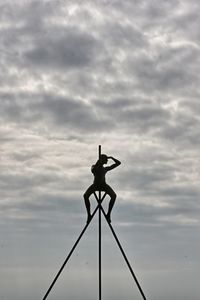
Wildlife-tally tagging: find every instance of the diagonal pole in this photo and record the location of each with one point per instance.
(73, 248)
(124, 255)
(70, 253)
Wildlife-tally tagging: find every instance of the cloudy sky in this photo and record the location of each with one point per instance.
(76, 74)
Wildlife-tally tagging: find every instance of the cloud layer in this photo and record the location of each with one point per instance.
(123, 74)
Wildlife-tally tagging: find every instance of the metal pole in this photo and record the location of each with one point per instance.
(70, 253)
(124, 255)
(99, 200)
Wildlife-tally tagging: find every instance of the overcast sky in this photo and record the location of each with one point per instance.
(76, 74)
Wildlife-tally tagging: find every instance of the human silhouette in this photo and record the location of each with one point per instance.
(99, 184)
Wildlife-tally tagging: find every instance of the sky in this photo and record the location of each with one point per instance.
(75, 75)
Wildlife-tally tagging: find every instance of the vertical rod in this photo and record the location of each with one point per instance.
(99, 151)
(100, 283)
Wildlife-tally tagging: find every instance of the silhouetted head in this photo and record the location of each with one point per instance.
(103, 159)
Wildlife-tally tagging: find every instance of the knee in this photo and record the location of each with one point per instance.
(85, 196)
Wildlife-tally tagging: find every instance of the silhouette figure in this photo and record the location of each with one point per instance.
(99, 184)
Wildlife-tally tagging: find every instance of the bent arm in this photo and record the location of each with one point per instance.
(116, 163)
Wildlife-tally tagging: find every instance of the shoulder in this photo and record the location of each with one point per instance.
(93, 168)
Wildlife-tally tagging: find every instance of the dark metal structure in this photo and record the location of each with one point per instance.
(99, 199)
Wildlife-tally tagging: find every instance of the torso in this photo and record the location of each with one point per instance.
(99, 173)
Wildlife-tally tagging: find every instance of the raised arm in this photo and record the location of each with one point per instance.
(116, 163)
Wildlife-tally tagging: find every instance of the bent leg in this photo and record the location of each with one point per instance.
(113, 196)
(86, 197)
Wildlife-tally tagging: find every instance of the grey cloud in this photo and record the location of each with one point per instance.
(148, 12)
(173, 214)
(37, 108)
(192, 105)
(138, 115)
(20, 182)
(159, 12)
(25, 156)
(137, 213)
(187, 22)
(64, 48)
(32, 14)
(69, 112)
(182, 193)
(184, 128)
(143, 178)
(169, 70)
(123, 36)
(146, 118)
(46, 203)
(159, 181)
(38, 43)
(15, 107)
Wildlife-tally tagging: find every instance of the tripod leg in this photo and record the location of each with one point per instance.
(70, 253)
(124, 255)
(101, 198)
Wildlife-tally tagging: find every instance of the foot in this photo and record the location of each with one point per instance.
(108, 218)
(89, 218)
